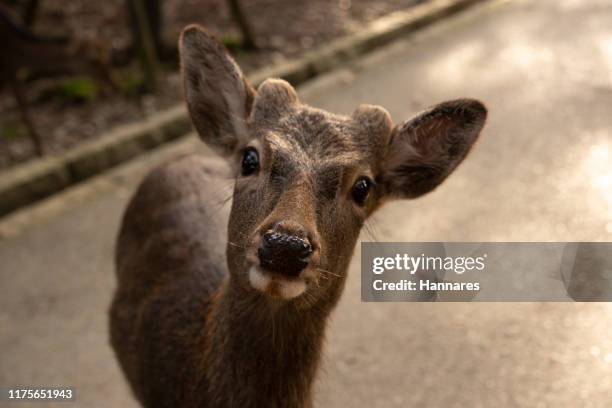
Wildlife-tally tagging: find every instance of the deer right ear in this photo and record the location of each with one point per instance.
(218, 96)
(426, 149)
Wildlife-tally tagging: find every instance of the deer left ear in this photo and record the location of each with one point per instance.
(219, 97)
(426, 149)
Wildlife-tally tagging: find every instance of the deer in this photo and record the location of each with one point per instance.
(24, 52)
(224, 302)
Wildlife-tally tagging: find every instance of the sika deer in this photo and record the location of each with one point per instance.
(23, 52)
(218, 311)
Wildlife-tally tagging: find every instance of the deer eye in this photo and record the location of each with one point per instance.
(250, 162)
(361, 190)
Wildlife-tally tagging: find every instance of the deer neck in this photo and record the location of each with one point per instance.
(262, 353)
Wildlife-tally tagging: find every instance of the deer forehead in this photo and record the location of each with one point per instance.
(309, 139)
(284, 122)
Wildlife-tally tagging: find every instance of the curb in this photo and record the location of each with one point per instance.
(36, 180)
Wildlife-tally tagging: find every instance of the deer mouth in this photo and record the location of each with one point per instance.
(276, 285)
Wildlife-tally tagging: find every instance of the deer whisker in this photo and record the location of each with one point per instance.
(328, 272)
(235, 245)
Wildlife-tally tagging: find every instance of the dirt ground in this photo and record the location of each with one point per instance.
(283, 30)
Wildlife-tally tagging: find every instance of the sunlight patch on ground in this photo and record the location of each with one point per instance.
(451, 67)
(605, 47)
(598, 164)
(573, 5)
(599, 173)
(527, 57)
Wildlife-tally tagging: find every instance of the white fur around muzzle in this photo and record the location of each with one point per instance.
(286, 289)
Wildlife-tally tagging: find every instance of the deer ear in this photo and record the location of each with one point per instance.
(218, 96)
(426, 149)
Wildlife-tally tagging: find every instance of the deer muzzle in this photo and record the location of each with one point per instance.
(284, 251)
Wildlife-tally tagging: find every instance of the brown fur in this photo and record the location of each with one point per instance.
(187, 326)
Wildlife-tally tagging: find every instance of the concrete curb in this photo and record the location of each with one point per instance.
(33, 181)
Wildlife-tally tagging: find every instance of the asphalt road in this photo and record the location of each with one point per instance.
(541, 172)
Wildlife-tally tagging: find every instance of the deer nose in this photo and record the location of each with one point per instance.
(284, 253)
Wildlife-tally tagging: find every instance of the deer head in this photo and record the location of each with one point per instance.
(305, 179)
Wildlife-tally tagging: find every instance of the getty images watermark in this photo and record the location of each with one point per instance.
(485, 271)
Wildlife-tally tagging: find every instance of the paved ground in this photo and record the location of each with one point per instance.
(541, 172)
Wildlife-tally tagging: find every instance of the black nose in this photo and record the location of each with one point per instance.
(284, 253)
